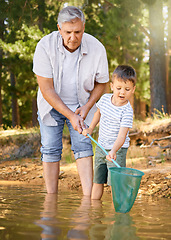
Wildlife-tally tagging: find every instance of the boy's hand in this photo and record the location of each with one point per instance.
(111, 155)
(85, 131)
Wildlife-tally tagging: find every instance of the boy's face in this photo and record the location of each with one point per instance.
(122, 91)
(72, 33)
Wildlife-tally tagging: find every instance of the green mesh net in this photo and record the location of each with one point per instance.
(125, 183)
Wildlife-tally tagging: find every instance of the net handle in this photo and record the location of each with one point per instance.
(103, 149)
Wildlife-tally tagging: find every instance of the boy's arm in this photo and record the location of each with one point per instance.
(118, 143)
(94, 122)
(94, 97)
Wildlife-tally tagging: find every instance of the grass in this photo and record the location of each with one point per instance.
(16, 138)
(17, 131)
(146, 125)
(150, 123)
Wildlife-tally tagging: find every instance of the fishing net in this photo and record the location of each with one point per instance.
(125, 184)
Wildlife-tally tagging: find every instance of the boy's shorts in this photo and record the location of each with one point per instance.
(102, 165)
(51, 140)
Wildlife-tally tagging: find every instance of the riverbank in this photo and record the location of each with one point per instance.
(153, 159)
(155, 182)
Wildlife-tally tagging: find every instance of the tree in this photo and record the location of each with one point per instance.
(14, 104)
(157, 57)
(118, 24)
(168, 69)
(21, 35)
(2, 28)
(123, 46)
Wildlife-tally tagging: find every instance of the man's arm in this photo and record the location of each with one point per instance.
(94, 96)
(47, 89)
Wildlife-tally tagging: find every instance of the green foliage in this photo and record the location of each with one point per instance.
(118, 28)
(18, 60)
(95, 17)
(123, 45)
(118, 24)
(143, 85)
(149, 2)
(25, 23)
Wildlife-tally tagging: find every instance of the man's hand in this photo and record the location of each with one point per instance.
(77, 122)
(82, 111)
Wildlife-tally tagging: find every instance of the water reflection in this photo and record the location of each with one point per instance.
(27, 212)
(80, 220)
(111, 225)
(122, 228)
(48, 221)
(88, 221)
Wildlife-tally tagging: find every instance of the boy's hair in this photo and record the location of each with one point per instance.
(69, 13)
(125, 73)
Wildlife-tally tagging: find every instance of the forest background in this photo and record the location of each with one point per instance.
(135, 32)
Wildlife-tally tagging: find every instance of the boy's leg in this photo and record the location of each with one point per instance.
(97, 191)
(111, 196)
(100, 174)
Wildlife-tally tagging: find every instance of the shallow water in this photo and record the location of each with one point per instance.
(27, 212)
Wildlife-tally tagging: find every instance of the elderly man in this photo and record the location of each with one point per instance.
(72, 71)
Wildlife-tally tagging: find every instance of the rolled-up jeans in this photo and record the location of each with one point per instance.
(51, 140)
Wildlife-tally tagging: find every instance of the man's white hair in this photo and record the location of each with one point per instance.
(69, 13)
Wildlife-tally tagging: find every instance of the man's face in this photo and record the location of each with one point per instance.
(72, 33)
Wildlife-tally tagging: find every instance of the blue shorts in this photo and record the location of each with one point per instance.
(51, 140)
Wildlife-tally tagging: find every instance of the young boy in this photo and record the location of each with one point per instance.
(115, 114)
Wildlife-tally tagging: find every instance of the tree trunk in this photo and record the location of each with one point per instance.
(140, 109)
(0, 86)
(41, 7)
(34, 112)
(1, 54)
(157, 58)
(168, 60)
(15, 110)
